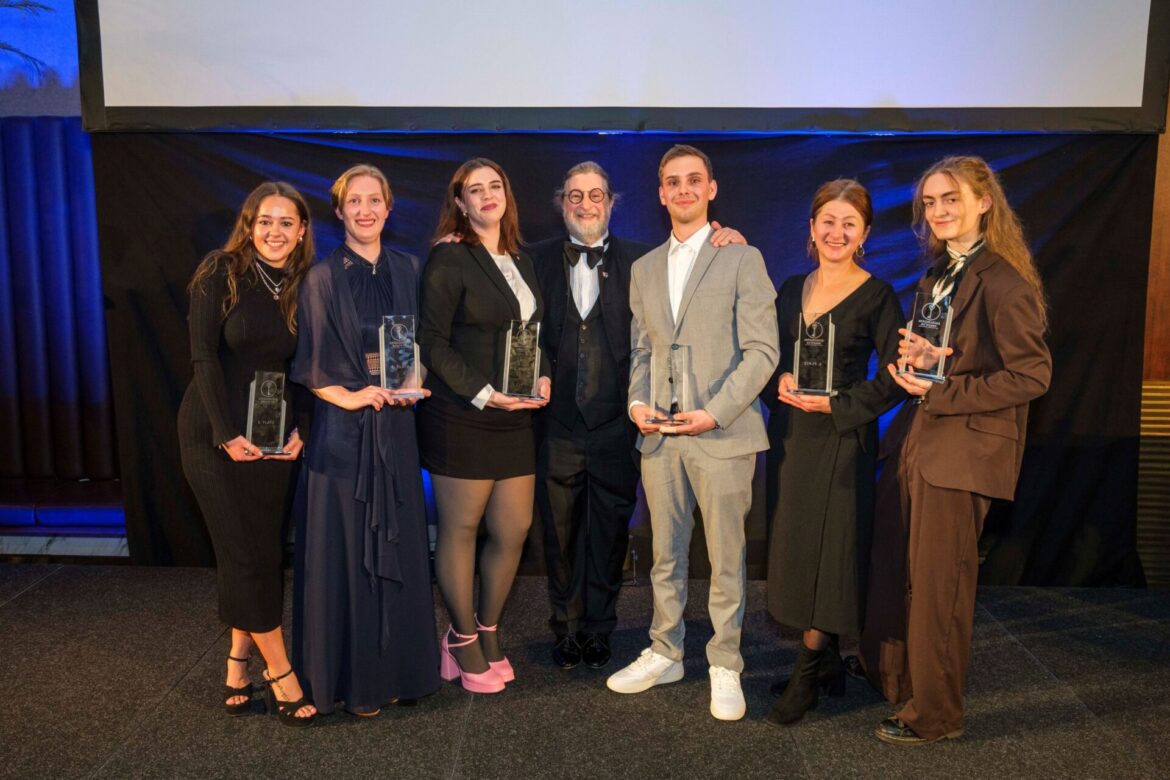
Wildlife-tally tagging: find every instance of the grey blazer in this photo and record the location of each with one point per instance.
(725, 338)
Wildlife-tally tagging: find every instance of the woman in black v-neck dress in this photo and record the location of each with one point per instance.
(824, 448)
(242, 320)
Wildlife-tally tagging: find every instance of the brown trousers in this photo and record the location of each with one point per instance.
(924, 566)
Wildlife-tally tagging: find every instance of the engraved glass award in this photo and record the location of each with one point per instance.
(522, 360)
(399, 352)
(675, 397)
(929, 334)
(812, 358)
(266, 412)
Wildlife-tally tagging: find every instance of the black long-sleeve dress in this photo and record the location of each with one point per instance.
(363, 611)
(822, 524)
(244, 505)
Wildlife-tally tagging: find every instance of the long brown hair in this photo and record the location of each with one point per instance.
(453, 220)
(848, 191)
(999, 225)
(240, 255)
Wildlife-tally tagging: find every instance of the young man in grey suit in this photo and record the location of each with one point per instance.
(704, 343)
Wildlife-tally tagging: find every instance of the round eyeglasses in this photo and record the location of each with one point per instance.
(576, 196)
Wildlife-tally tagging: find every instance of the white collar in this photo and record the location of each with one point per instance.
(695, 242)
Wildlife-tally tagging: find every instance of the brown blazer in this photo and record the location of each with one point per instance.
(974, 424)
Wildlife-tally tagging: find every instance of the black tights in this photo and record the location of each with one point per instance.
(506, 507)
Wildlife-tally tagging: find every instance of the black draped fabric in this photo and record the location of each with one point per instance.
(1085, 201)
(363, 613)
(824, 463)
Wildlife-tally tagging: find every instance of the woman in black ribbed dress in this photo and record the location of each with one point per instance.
(242, 320)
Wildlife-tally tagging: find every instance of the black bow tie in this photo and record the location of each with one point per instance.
(573, 253)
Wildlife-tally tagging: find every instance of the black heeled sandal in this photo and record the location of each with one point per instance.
(244, 690)
(286, 711)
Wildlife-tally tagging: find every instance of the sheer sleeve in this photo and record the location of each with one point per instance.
(206, 327)
(321, 359)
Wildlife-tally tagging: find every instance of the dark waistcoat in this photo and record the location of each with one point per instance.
(587, 379)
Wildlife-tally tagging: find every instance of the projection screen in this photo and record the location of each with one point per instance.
(694, 65)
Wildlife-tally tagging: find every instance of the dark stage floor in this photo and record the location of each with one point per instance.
(116, 672)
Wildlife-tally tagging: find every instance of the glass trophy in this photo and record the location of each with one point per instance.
(812, 358)
(266, 412)
(929, 333)
(522, 360)
(399, 351)
(677, 394)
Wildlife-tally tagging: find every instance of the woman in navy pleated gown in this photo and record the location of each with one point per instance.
(364, 630)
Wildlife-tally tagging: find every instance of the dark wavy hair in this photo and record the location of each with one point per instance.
(239, 255)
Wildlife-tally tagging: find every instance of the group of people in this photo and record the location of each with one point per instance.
(655, 362)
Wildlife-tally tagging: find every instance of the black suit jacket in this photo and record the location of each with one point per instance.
(614, 281)
(466, 308)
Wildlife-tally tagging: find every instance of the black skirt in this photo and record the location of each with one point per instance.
(457, 440)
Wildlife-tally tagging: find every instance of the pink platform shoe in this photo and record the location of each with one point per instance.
(449, 669)
(503, 667)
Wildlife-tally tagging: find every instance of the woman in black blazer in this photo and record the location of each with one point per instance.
(476, 441)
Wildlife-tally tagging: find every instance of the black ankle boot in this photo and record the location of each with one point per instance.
(830, 672)
(802, 691)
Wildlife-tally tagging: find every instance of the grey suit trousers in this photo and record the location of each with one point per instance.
(675, 476)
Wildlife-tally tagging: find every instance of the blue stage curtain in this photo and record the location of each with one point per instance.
(55, 401)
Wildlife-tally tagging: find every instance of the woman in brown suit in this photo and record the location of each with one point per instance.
(955, 447)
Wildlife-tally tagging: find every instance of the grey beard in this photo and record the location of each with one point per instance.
(586, 237)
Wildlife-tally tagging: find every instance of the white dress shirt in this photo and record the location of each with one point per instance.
(680, 259)
(583, 280)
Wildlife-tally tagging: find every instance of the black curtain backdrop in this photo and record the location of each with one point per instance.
(166, 199)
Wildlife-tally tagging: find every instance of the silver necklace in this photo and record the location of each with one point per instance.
(273, 286)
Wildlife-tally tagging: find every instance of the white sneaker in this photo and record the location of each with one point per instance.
(726, 696)
(647, 670)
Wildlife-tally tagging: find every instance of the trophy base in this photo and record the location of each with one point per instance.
(805, 391)
(938, 380)
(271, 451)
(525, 396)
(412, 394)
